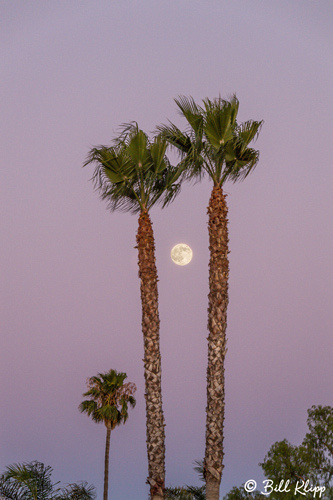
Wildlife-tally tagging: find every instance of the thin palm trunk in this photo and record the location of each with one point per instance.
(106, 462)
(217, 323)
(152, 358)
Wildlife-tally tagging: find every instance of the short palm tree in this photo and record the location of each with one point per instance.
(216, 145)
(32, 481)
(133, 175)
(108, 402)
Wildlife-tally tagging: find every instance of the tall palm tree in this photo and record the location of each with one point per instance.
(216, 145)
(133, 175)
(108, 402)
(32, 481)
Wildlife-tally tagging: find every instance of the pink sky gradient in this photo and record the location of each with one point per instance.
(71, 73)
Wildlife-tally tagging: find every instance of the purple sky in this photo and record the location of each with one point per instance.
(71, 73)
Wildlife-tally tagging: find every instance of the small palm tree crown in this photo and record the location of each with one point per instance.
(109, 398)
(134, 173)
(214, 143)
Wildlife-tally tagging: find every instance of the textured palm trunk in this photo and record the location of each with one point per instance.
(217, 323)
(106, 462)
(152, 358)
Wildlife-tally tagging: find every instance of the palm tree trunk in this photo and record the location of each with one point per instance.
(106, 462)
(152, 358)
(217, 323)
(212, 488)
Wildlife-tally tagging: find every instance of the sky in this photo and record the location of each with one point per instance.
(71, 73)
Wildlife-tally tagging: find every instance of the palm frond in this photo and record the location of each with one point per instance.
(197, 492)
(29, 480)
(77, 491)
(171, 194)
(177, 493)
(186, 493)
(91, 409)
(126, 130)
(11, 491)
(219, 124)
(248, 131)
(138, 150)
(170, 183)
(199, 468)
(192, 113)
(158, 155)
(239, 169)
(177, 139)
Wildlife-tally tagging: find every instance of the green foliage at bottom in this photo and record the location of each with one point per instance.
(242, 494)
(186, 493)
(32, 481)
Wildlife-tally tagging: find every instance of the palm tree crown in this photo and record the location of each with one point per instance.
(134, 173)
(109, 398)
(214, 143)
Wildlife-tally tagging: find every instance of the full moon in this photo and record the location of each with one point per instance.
(181, 254)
